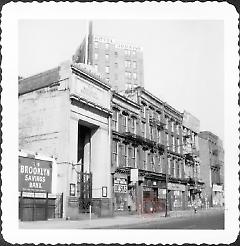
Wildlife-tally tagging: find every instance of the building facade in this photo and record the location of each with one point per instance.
(120, 63)
(115, 152)
(191, 126)
(212, 167)
(65, 113)
(152, 142)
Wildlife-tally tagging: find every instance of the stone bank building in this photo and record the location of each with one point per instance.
(118, 152)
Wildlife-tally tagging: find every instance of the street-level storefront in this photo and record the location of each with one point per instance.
(120, 189)
(176, 196)
(217, 195)
(154, 196)
(38, 199)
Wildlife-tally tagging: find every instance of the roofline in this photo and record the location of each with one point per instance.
(125, 99)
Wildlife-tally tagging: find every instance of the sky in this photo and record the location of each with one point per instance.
(183, 59)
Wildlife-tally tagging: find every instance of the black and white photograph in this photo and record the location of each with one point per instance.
(120, 123)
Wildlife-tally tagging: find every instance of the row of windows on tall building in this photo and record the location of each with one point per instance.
(127, 63)
(125, 155)
(127, 52)
(171, 126)
(126, 123)
(128, 75)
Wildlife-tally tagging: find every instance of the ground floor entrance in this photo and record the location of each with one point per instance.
(33, 207)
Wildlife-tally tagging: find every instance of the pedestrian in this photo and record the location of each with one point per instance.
(195, 206)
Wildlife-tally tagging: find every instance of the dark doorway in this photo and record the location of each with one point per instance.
(84, 181)
(84, 134)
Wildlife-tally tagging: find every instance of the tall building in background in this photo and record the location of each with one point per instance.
(212, 167)
(120, 63)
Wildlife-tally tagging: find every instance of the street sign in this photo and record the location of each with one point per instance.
(34, 175)
(134, 175)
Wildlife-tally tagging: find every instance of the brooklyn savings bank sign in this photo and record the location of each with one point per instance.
(35, 175)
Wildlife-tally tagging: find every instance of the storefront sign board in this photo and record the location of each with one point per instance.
(173, 186)
(90, 92)
(34, 175)
(217, 187)
(120, 185)
(134, 175)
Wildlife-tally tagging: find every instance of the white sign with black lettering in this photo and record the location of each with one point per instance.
(120, 185)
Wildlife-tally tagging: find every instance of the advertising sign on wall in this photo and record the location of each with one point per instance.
(120, 185)
(34, 175)
(191, 122)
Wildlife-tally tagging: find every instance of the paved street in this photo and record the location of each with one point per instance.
(204, 219)
(198, 221)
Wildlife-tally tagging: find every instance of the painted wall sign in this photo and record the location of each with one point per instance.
(90, 92)
(34, 175)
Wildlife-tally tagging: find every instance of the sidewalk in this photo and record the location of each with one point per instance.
(113, 221)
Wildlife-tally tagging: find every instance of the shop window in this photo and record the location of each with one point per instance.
(114, 120)
(114, 152)
(120, 193)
